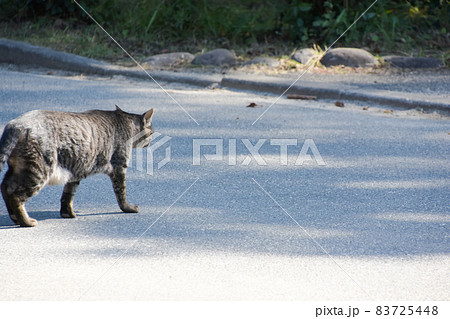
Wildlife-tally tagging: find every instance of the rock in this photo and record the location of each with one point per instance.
(303, 56)
(272, 62)
(168, 59)
(349, 57)
(413, 63)
(217, 57)
(59, 24)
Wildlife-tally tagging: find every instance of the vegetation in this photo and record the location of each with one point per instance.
(248, 26)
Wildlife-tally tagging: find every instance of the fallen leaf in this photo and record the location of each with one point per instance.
(301, 97)
(388, 111)
(339, 104)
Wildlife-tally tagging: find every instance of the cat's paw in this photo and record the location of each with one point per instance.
(66, 213)
(130, 208)
(29, 222)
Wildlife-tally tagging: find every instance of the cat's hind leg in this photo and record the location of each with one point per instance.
(6, 199)
(67, 200)
(16, 192)
(119, 185)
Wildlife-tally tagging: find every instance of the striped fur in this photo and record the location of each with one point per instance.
(48, 147)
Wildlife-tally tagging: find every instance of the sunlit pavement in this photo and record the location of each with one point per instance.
(357, 209)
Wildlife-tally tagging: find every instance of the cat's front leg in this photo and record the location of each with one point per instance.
(119, 184)
(67, 200)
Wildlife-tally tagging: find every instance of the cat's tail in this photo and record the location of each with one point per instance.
(8, 141)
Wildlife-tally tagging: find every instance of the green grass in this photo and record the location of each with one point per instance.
(89, 41)
(250, 28)
(92, 42)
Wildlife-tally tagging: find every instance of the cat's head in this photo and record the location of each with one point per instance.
(145, 130)
(142, 131)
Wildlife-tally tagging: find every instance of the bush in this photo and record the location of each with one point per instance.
(385, 25)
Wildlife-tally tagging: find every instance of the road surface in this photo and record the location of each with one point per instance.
(362, 213)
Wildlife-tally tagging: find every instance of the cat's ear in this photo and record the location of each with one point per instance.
(118, 109)
(148, 117)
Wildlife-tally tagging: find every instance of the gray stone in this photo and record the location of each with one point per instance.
(410, 62)
(168, 59)
(349, 57)
(217, 57)
(303, 56)
(272, 62)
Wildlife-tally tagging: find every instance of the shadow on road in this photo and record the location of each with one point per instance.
(383, 190)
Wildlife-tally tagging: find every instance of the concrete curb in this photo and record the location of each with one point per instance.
(20, 53)
(335, 91)
(162, 76)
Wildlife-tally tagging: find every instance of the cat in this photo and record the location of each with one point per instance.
(50, 147)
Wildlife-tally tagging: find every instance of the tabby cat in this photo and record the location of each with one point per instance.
(49, 147)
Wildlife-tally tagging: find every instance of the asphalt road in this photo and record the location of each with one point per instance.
(369, 222)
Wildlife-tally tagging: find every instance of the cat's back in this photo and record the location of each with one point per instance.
(65, 124)
(78, 132)
(40, 118)
(82, 143)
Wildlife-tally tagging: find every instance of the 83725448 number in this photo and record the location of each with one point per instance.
(406, 310)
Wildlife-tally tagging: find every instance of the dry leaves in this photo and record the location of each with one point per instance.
(301, 97)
